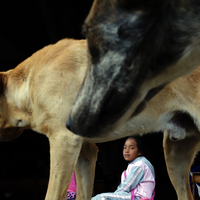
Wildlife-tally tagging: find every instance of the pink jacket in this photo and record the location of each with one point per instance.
(146, 187)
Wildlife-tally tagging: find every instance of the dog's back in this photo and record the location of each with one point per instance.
(38, 87)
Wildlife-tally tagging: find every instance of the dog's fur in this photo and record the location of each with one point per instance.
(38, 95)
(136, 47)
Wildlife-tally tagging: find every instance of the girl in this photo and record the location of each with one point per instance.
(138, 181)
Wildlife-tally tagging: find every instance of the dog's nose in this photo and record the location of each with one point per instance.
(68, 123)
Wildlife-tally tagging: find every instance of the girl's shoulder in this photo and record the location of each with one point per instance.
(140, 159)
(141, 162)
(138, 162)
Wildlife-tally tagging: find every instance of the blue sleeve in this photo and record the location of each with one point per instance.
(132, 180)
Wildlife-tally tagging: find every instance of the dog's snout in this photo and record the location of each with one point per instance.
(68, 123)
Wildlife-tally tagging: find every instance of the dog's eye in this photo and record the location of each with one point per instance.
(85, 31)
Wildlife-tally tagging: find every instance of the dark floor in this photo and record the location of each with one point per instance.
(38, 193)
(31, 196)
(26, 188)
(20, 196)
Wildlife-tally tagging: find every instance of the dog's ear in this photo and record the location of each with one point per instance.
(3, 81)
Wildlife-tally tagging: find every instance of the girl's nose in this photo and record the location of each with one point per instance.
(126, 150)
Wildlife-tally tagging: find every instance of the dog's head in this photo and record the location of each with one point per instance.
(7, 130)
(135, 48)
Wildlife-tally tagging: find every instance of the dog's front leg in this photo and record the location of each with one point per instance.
(179, 156)
(64, 151)
(85, 171)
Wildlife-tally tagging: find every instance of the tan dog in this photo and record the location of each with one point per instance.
(135, 48)
(38, 95)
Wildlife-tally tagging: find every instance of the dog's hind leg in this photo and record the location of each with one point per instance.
(179, 156)
(85, 171)
(64, 151)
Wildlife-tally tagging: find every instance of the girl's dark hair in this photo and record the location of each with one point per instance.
(139, 142)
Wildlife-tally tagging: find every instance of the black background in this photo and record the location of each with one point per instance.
(25, 27)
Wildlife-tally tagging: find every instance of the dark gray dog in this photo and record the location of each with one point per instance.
(135, 48)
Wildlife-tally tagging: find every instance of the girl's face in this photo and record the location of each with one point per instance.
(130, 151)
